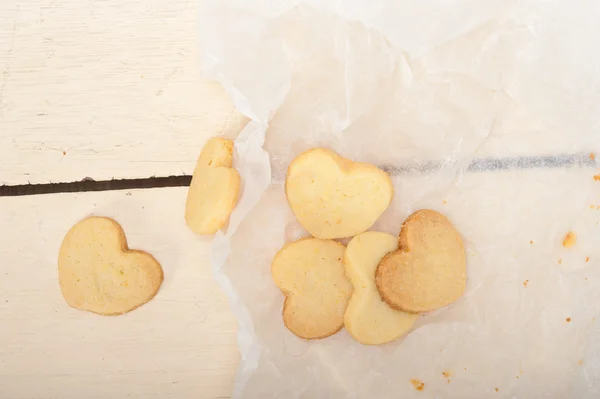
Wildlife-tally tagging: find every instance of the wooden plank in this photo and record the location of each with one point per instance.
(182, 344)
(104, 89)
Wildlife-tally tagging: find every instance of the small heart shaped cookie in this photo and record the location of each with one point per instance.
(214, 188)
(98, 273)
(310, 272)
(428, 271)
(333, 197)
(369, 319)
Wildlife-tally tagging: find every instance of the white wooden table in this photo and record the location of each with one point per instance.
(107, 89)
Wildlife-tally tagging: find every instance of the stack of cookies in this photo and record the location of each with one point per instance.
(378, 284)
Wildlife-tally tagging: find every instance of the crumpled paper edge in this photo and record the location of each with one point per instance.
(253, 164)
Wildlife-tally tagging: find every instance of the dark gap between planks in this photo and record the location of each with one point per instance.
(88, 184)
(577, 160)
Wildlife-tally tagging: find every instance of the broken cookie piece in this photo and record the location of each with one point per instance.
(214, 189)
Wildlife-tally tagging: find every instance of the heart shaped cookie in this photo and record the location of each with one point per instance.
(333, 197)
(310, 272)
(428, 271)
(214, 188)
(369, 319)
(98, 273)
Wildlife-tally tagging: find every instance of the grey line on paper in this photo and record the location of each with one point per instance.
(493, 164)
(489, 164)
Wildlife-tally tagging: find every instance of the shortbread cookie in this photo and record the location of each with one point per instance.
(429, 269)
(98, 273)
(333, 197)
(214, 189)
(310, 272)
(368, 318)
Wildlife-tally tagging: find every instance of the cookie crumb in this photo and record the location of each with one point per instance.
(570, 240)
(580, 362)
(560, 261)
(447, 374)
(445, 202)
(531, 242)
(568, 319)
(417, 384)
(592, 156)
(597, 177)
(517, 377)
(497, 389)
(525, 283)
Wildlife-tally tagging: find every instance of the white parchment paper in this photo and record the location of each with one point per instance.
(486, 110)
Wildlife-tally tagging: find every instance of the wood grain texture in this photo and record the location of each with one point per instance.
(104, 89)
(107, 89)
(182, 344)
